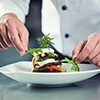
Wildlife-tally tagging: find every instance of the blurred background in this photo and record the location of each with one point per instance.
(33, 24)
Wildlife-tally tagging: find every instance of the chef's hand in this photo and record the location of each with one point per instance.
(13, 33)
(88, 49)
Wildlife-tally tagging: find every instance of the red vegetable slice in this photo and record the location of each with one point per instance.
(52, 67)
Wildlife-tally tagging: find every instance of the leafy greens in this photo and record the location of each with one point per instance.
(74, 67)
(45, 41)
(35, 50)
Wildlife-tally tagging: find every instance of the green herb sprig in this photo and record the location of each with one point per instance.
(35, 50)
(74, 67)
(45, 41)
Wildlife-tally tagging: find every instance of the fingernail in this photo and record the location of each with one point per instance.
(22, 52)
(74, 56)
(26, 48)
(77, 62)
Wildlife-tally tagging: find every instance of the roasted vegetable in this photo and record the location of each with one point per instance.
(53, 67)
(50, 67)
(52, 63)
(46, 57)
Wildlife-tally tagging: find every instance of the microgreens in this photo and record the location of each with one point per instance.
(45, 41)
(35, 50)
(74, 67)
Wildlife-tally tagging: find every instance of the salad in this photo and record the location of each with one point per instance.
(44, 57)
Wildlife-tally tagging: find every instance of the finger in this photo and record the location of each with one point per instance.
(98, 64)
(14, 37)
(4, 35)
(1, 48)
(78, 48)
(96, 59)
(3, 44)
(23, 37)
(88, 48)
(95, 52)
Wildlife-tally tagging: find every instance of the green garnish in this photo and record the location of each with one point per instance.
(45, 41)
(74, 67)
(46, 57)
(40, 70)
(35, 50)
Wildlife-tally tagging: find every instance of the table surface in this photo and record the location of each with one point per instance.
(85, 90)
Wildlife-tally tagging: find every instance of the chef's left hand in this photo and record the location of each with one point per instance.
(88, 50)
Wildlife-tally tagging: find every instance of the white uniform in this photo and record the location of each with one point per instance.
(74, 18)
(68, 21)
(18, 7)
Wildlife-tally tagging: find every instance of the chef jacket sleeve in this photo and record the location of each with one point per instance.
(18, 7)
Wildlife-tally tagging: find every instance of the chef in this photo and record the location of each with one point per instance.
(74, 25)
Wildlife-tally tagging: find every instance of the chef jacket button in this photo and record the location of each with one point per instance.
(64, 7)
(66, 35)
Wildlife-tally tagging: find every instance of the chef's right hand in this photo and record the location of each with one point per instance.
(13, 33)
(88, 50)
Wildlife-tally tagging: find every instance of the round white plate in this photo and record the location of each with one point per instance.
(20, 71)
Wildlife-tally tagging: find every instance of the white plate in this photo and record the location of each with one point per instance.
(20, 71)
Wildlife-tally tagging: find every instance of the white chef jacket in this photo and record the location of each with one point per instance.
(18, 7)
(67, 21)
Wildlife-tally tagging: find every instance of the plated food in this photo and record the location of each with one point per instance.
(44, 58)
(45, 62)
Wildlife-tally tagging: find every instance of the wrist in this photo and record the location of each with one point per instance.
(7, 16)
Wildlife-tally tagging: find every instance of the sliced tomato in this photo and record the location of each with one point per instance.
(52, 67)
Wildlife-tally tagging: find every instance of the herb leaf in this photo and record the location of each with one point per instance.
(74, 67)
(45, 41)
(35, 50)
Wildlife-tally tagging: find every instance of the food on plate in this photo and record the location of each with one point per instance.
(44, 58)
(45, 62)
